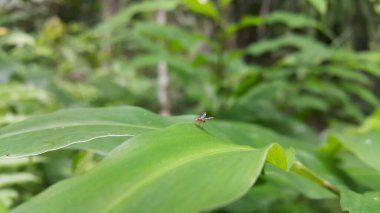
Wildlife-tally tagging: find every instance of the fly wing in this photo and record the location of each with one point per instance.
(209, 118)
(202, 115)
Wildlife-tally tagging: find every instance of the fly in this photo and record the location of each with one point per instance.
(202, 118)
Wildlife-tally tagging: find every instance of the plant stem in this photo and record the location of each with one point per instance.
(301, 169)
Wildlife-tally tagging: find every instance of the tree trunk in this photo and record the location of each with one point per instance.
(163, 74)
(360, 34)
(247, 35)
(109, 8)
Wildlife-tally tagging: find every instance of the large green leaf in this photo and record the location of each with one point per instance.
(178, 169)
(107, 128)
(366, 146)
(261, 198)
(360, 203)
(100, 146)
(63, 128)
(236, 132)
(360, 172)
(362, 163)
(247, 134)
(316, 183)
(298, 183)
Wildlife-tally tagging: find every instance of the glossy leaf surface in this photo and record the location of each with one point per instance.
(63, 128)
(178, 169)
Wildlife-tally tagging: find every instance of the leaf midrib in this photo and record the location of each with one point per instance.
(163, 170)
(65, 145)
(75, 125)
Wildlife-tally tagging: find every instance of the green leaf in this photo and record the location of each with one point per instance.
(320, 6)
(225, 3)
(353, 202)
(101, 130)
(334, 94)
(124, 16)
(277, 156)
(308, 102)
(205, 7)
(19, 39)
(178, 64)
(316, 183)
(371, 123)
(296, 182)
(3, 209)
(248, 134)
(20, 162)
(261, 198)
(310, 51)
(366, 146)
(17, 178)
(238, 133)
(359, 172)
(364, 93)
(100, 146)
(83, 162)
(367, 61)
(292, 20)
(178, 169)
(7, 197)
(63, 128)
(244, 22)
(352, 75)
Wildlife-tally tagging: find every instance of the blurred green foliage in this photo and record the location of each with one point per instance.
(296, 67)
(291, 74)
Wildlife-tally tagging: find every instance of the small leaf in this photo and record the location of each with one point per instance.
(21, 162)
(292, 20)
(352, 75)
(310, 51)
(205, 7)
(225, 3)
(124, 16)
(7, 197)
(320, 6)
(308, 102)
(19, 39)
(244, 22)
(17, 178)
(277, 156)
(364, 93)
